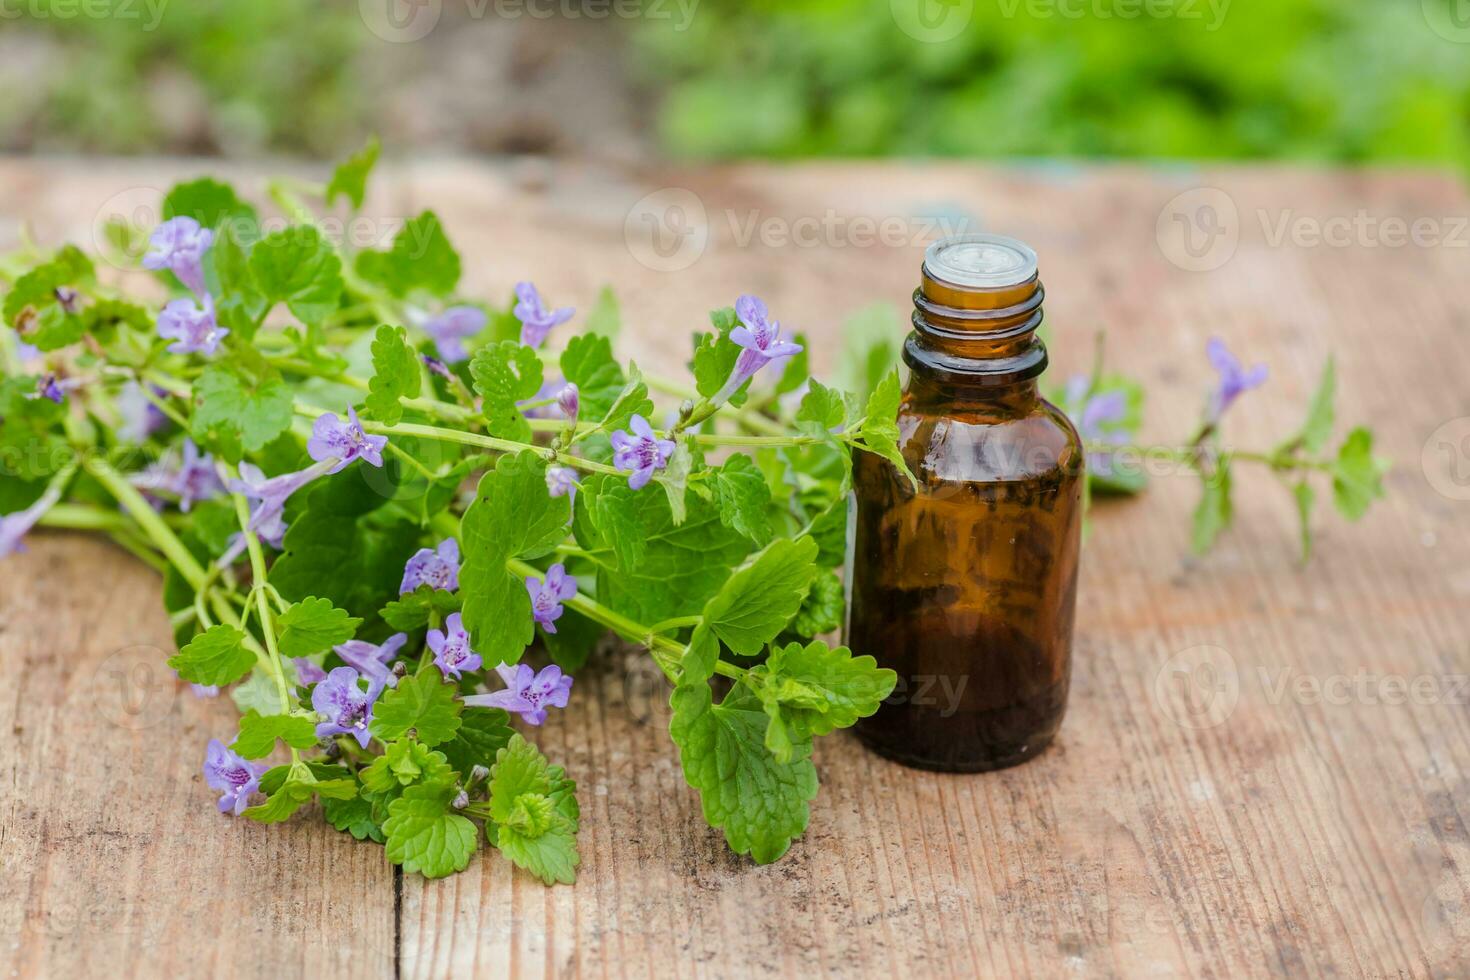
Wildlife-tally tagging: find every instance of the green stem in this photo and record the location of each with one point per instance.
(262, 604)
(148, 519)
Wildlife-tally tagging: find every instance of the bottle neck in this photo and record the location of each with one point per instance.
(976, 343)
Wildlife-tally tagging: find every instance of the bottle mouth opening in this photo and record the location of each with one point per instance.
(980, 261)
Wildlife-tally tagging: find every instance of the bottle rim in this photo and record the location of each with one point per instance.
(980, 260)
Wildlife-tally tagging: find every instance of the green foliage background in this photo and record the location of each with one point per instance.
(1352, 80)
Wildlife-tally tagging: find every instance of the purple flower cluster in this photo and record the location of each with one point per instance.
(437, 568)
(192, 480)
(191, 326)
(760, 338)
(451, 646)
(449, 328)
(236, 778)
(1235, 380)
(561, 480)
(371, 659)
(527, 693)
(269, 496)
(641, 451)
(341, 442)
(1091, 414)
(348, 708)
(536, 320)
(547, 596)
(179, 244)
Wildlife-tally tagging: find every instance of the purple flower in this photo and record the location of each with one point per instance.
(191, 327)
(140, 417)
(569, 400)
(27, 352)
(334, 439)
(451, 326)
(760, 337)
(536, 320)
(642, 451)
(452, 653)
(205, 690)
(179, 244)
(348, 708)
(561, 480)
(308, 671)
(237, 779)
(437, 569)
(371, 660)
(546, 597)
(1091, 414)
(196, 478)
(437, 366)
(527, 693)
(1235, 380)
(14, 526)
(269, 495)
(47, 386)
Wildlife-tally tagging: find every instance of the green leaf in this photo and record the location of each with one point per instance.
(259, 692)
(760, 803)
(714, 360)
(351, 176)
(674, 478)
(1215, 511)
(412, 610)
(604, 318)
(512, 517)
(680, 567)
(532, 827)
(1320, 415)
(759, 599)
(822, 610)
(313, 625)
(213, 205)
(613, 508)
(232, 413)
(1357, 475)
(632, 400)
(421, 258)
(31, 444)
(353, 816)
(879, 431)
(291, 786)
(34, 309)
(343, 549)
(1304, 496)
(215, 657)
(744, 498)
(396, 375)
(404, 763)
(481, 736)
(300, 268)
(871, 338)
(822, 408)
(813, 690)
(238, 303)
(421, 703)
(258, 733)
(588, 363)
(425, 835)
(797, 370)
(506, 373)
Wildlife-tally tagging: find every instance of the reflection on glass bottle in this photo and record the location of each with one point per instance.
(966, 586)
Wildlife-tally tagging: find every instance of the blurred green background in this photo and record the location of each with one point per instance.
(1347, 81)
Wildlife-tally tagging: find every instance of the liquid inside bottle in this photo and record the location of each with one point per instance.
(966, 585)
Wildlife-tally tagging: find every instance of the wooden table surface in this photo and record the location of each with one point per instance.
(1291, 799)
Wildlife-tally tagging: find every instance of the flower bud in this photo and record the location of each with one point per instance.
(569, 400)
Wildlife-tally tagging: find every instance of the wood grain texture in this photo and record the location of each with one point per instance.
(1265, 769)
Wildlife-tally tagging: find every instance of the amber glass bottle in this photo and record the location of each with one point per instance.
(966, 586)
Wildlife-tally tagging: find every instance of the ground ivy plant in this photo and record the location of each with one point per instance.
(371, 498)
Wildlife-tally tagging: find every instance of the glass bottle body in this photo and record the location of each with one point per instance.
(966, 586)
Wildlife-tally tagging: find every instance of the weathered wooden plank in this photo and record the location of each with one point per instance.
(113, 859)
(1313, 830)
